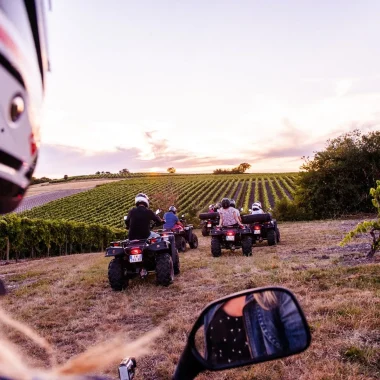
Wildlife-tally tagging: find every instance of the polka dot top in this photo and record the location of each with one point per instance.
(226, 339)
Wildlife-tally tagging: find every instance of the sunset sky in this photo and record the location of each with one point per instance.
(200, 84)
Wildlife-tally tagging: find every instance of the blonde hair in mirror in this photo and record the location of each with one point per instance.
(266, 299)
(94, 360)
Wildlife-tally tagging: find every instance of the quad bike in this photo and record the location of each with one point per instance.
(272, 330)
(231, 237)
(182, 235)
(263, 228)
(132, 258)
(209, 220)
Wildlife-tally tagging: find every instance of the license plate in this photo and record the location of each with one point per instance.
(209, 225)
(135, 258)
(230, 238)
(257, 232)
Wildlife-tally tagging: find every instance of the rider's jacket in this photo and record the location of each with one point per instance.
(171, 220)
(138, 222)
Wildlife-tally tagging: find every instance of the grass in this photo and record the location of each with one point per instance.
(68, 300)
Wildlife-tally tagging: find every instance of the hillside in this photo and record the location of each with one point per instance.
(68, 300)
(109, 202)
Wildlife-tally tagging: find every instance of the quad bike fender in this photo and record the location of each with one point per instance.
(159, 246)
(114, 251)
(246, 231)
(218, 233)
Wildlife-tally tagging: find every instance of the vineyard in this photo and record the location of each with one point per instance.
(106, 204)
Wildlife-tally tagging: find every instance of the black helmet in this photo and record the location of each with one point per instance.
(232, 203)
(226, 203)
(172, 209)
(142, 198)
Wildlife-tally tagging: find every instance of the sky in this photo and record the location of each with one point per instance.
(202, 84)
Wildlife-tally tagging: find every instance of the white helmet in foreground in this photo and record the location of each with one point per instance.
(23, 66)
(142, 198)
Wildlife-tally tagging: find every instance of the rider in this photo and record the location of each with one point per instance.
(233, 204)
(171, 219)
(256, 208)
(228, 215)
(139, 218)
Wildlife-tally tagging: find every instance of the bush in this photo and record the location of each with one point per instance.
(287, 210)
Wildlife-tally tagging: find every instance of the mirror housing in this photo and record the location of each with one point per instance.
(125, 217)
(280, 314)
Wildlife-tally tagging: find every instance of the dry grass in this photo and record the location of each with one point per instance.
(42, 188)
(68, 300)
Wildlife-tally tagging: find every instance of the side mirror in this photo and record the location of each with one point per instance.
(248, 327)
(125, 217)
(250, 210)
(158, 211)
(183, 215)
(241, 209)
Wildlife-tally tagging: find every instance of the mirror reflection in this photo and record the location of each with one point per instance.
(252, 327)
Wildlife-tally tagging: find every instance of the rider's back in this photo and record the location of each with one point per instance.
(139, 222)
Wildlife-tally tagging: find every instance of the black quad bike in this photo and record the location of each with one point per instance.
(263, 228)
(209, 220)
(287, 334)
(231, 237)
(132, 258)
(182, 236)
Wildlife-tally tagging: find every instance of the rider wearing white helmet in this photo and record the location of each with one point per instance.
(256, 208)
(171, 219)
(139, 218)
(23, 67)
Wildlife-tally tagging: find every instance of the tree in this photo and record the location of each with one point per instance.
(337, 179)
(237, 170)
(124, 171)
(171, 170)
(243, 167)
(65, 177)
(97, 173)
(373, 227)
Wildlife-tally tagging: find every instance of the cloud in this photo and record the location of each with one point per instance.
(343, 86)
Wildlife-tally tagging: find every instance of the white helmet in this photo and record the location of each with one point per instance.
(173, 209)
(256, 205)
(142, 198)
(23, 66)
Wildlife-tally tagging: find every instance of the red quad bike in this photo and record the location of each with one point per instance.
(182, 235)
(231, 237)
(273, 324)
(263, 228)
(132, 258)
(209, 220)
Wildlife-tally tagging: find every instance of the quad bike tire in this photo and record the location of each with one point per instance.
(216, 249)
(246, 246)
(272, 237)
(205, 231)
(116, 276)
(180, 243)
(164, 269)
(176, 263)
(194, 241)
(278, 235)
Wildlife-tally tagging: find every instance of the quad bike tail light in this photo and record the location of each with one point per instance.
(154, 240)
(135, 251)
(115, 244)
(230, 233)
(256, 227)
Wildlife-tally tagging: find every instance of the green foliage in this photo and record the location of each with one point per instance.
(30, 238)
(371, 227)
(336, 180)
(287, 210)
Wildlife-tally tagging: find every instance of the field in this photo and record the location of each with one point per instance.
(109, 202)
(68, 300)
